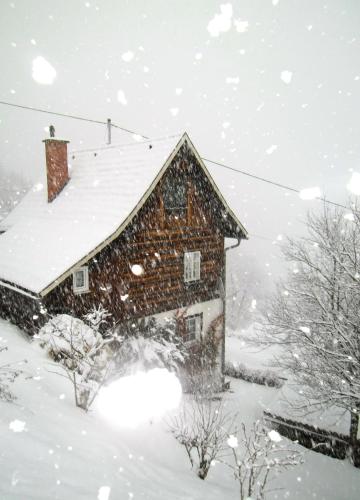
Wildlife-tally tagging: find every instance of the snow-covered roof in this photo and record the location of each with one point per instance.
(44, 241)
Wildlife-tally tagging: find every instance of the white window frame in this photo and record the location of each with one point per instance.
(192, 265)
(197, 320)
(85, 287)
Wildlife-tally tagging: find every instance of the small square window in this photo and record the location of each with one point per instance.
(192, 266)
(81, 280)
(193, 328)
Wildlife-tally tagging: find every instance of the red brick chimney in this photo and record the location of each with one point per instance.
(57, 172)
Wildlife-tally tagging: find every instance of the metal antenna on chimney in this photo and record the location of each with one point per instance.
(108, 125)
(52, 131)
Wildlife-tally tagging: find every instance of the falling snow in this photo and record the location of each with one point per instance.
(221, 23)
(17, 426)
(270, 150)
(286, 76)
(121, 97)
(274, 436)
(241, 26)
(354, 184)
(42, 71)
(104, 493)
(232, 441)
(128, 56)
(310, 193)
(174, 111)
(270, 96)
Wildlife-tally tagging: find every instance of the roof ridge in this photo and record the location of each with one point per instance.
(129, 144)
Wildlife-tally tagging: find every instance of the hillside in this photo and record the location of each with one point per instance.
(52, 450)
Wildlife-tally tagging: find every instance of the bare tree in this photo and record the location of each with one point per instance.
(202, 426)
(256, 456)
(8, 374)
(315, 314)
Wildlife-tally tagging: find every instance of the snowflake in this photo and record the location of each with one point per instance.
(128, 56)
(232, 441)
(104, 493)
(17, 426)
(221, 23)
(241, 26)
(271, 149)
(137, 269)
(42, 71)
(274, 436)
(354, 184)
(121, 97)
(310, 193)
(286, 76)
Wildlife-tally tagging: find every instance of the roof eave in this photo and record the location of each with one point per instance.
(19, 289)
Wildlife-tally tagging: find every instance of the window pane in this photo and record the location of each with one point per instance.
(80, 279)
(197, 265)
(174, 194)
(192, 266)
(193, 326)
(198, 325)
(188, 266)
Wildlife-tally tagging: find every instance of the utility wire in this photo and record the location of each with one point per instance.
(74, 117)
(243, 172)
(268, 181)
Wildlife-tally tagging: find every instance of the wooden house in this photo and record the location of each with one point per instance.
(138, 228)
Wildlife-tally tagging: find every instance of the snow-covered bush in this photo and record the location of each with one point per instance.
(147, 344)
(8, 374)
(81, 351)
(97, 318)
(254, 375)
(256, 455)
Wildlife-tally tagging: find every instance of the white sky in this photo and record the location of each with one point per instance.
(290, 111)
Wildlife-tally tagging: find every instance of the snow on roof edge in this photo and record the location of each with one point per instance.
(18, 290)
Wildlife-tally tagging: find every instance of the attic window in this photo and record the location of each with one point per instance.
(81, 280)
(175, 196)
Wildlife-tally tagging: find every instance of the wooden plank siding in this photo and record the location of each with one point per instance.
(157, 240)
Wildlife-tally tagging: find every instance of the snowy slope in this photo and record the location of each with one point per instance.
(64, 453)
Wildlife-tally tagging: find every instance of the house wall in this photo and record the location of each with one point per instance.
(156, 240)
(20, 309)
(212, 311)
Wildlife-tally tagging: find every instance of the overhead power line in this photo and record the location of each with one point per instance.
(268, 181)
(243, 172)
(74, 117)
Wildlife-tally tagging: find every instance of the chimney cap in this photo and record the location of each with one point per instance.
(52, 136)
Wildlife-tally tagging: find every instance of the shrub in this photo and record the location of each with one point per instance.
(262, 377)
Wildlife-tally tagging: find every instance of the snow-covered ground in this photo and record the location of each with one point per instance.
(241, 348)
(52, 450)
